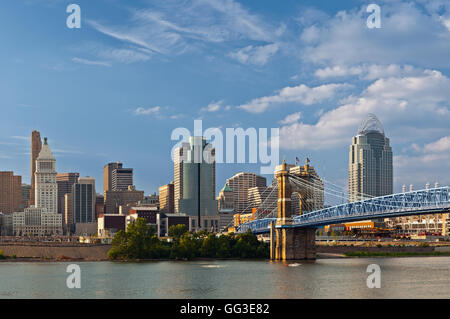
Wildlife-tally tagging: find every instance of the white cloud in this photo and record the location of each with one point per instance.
(213, 107)
(173, 28)
(298, 94)
(124, 55)
(367, 72)
(337, 71)
(291, 118)
(408, 32)
(90, 62)
(401, 102)
(446, 22)
(441, 145)
(123, 34)
(23, 138)
(258, 55)
(148, 111)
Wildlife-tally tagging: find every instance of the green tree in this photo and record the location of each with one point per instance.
(248, 246)
(137, 242)
(210, 246)
(177, 231)
(186, 248)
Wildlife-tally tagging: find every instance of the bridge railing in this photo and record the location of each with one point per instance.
(402, 204)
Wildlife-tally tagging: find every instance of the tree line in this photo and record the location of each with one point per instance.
(140, 241)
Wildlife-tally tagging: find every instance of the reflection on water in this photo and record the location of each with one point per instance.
(427, 277)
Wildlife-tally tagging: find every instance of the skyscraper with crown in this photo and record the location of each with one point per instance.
(46, 187)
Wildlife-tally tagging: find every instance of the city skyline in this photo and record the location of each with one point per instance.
(224, 157)
(278, 73)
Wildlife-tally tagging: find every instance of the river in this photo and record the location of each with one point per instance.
(415, 277)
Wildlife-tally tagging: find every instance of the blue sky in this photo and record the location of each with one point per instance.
(116, 88)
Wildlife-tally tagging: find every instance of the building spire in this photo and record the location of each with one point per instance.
(45, 141)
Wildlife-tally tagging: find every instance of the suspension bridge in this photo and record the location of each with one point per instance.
(293, 235)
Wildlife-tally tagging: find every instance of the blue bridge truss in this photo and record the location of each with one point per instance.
(429, 201)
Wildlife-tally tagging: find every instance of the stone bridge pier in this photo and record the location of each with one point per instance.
(286, 241)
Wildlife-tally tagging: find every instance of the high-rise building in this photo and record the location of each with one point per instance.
(65, 182)
(116, 177)
(46, 187)
(83, 200)
(26, 189)
(36, 146)
(240, 184)
(370, 162)
(107, 175)
(195, 181)
(178, 174)
(10, 192)
(166, 199)
(121, 178)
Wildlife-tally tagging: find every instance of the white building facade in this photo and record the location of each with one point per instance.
(46, 187)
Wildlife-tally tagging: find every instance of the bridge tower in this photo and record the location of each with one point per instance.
(287, 242)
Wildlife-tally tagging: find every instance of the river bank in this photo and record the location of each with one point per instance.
(56, 252)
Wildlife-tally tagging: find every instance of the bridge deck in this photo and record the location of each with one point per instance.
(430, 201)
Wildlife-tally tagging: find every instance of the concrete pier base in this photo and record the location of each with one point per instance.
(292, 243)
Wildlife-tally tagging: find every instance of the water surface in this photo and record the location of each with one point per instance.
(416, 277)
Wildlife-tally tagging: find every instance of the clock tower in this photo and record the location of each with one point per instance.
(46, 187)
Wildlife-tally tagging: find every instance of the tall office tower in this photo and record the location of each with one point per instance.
(121, 178)
(46, 187)
(65, 182)
(179, 153)
(26, 189)
(116, 177)
(107, 175)
(166, 199)
(36, 146)
(83, 200)
(197, 178)
(10, 192)
(240, 183)
(370, 162)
